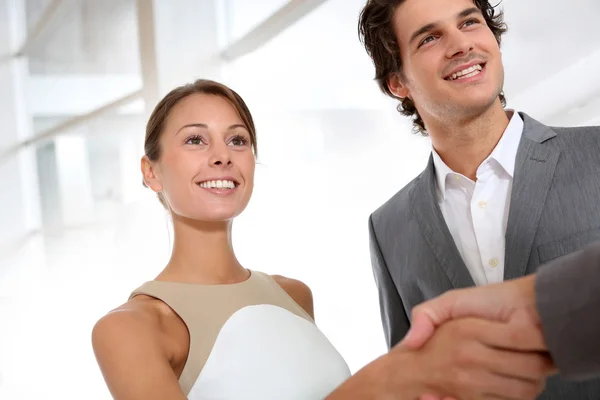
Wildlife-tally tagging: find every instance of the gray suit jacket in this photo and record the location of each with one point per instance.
(568, 301)
(554, 210)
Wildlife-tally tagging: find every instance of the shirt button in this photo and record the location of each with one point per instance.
(493, 262)
(482, 204)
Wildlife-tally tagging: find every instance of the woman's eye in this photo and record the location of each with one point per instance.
(238, 141)
(195, 140)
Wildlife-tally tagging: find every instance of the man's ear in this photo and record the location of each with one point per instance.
(397, 86)
(151, 178)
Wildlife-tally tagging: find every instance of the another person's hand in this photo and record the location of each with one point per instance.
(510, 302)
(474, 359)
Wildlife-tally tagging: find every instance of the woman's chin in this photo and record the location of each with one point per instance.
(214, 216)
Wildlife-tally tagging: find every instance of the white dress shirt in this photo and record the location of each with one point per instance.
(476, 212)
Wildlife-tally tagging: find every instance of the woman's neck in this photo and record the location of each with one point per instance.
(202, 253)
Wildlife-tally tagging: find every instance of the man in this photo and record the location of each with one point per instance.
(562, 300)
(501, 193)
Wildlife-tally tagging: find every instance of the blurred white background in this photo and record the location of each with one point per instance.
(78, 231)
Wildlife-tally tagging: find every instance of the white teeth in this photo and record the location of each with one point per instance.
(466, 73)
(471, 74)
(219, 184)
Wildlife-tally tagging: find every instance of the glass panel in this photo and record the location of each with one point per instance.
(241, 16)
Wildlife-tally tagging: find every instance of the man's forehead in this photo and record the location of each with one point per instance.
(414, 14)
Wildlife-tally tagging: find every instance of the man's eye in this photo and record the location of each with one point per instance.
(426, 40)
(471, 22)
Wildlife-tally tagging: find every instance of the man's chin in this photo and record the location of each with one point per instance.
(478, 104)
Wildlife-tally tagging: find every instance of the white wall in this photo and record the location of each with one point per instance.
(332, 149)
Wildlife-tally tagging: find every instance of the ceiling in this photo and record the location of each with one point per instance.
(318, 63)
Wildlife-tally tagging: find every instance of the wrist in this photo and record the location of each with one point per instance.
(401, 374)
(383, 379)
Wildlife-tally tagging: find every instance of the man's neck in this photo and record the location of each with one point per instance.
(464, 144)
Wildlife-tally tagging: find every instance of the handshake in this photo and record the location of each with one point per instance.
(476, 344)
(487, 342)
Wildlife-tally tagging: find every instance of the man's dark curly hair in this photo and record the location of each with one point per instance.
(376, 32)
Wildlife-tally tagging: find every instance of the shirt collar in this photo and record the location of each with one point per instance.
(505, 152)
(441, 173)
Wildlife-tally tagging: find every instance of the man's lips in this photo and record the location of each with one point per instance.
(465, 69)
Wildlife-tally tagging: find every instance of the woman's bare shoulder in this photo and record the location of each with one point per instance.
(138, 316)
(297, 290)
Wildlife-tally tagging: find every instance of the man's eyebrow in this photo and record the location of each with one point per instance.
(433, 25)
(468, 11)
(422, 30)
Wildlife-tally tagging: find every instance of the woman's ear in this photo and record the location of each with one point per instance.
(149, 172)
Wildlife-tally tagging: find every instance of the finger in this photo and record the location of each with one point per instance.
(473, 302)
(440, 309)
(515, 389)
(493, 386)
(510, 336)
(426, 317)
(491, 302)
(530, 395)
(421, 330)
(429, 396)
(526, 366)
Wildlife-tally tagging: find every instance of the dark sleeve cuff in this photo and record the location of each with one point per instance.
(568, 301)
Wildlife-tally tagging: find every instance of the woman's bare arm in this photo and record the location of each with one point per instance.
(132, 356)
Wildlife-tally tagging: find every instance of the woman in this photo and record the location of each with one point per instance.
(206, 327)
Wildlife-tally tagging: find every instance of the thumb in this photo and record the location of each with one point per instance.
(426, 317)
(421, 330)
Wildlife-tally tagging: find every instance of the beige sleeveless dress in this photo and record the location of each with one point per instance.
(250, 340)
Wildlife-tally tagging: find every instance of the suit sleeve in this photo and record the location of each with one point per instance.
(568, 301)
(394, 318)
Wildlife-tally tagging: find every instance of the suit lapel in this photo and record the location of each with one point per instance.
(534, 170)
(423, 201)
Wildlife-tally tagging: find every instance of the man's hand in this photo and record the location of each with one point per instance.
(478, 359)
(511, 302)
